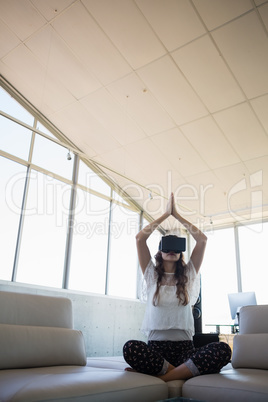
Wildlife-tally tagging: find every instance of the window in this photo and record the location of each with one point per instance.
(90, 240)
(218, 278)
(153, 240)
(117, 197)
(12, 181)
(89, 179)
(122, 280)
(41, 258)
(254, 259)
(14, 139)
(44, 130)
(97, 235)
(52, 157)
(10, 106)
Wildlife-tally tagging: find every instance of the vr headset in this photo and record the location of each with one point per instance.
(172, 243)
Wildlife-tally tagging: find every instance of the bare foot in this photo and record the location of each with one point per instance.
(130, 369)
(177, 373)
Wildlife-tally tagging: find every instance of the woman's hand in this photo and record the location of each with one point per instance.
(170, 205)
(198, 235)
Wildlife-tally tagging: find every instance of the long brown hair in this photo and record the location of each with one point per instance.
(180, 276)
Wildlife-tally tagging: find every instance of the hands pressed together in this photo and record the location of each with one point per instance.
(171, 207)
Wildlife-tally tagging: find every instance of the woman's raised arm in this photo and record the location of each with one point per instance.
(200, 238)
(141, 238)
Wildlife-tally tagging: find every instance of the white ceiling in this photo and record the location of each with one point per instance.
(171, 94)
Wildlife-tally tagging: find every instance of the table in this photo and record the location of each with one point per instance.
(234, 327)
(181, 399)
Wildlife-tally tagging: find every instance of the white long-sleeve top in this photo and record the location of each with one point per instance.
(169, 313)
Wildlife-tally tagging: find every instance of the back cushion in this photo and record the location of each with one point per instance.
(32, 309)
(28, 346)
(250, 351)
(253, 319)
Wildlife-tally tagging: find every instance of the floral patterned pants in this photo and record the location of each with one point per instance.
(152, 358)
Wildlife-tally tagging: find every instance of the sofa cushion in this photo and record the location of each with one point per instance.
(250, 351)
(28, 346)
(79, 384)
(247, 385)
(253, 319)
(32, 309)
(118, 363)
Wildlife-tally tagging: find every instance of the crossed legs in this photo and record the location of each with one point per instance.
(176, 360)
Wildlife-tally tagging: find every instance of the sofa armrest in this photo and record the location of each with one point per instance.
(250, 351)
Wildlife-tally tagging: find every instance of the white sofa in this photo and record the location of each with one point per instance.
(246, 379)
(42, 358)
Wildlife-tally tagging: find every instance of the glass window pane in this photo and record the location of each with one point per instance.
(123, 262)
(254, 259)
(10, 106)
(152, 243)
(14, 138)
(118, 198)
(218, 278)
(52, 157)
(89, 246)
(153, 240)
(44, 130)
(89, 179)
(42, 252)
(12, 180)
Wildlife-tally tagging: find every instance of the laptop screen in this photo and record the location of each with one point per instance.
(238, 300)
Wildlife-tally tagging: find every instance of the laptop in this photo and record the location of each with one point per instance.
(238, 300)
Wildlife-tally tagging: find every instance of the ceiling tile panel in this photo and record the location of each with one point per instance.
(129, 171)
(243, 131)
(21, 17)
(258, 168)
(234, 179)
(258, 165)
(83, 127)
(244, 45)
(66, 125)
(264, 14)
(115, 160)
(176, 22)
(90, 44)
(147, 154)
(259, 2)
(260, 106)
(172, 91)
(59, 61)
(177, 149)
(204, 68)
(134, 191)
(51, 8)
(22, 86)
(203, 194)
(206, 137)
(8, 40)
(139, 103)
(217, 12)
(127, 28)
(112, 117)
(44, 91)
(230, 175)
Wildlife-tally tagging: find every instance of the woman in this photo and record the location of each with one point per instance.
(171, 291)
